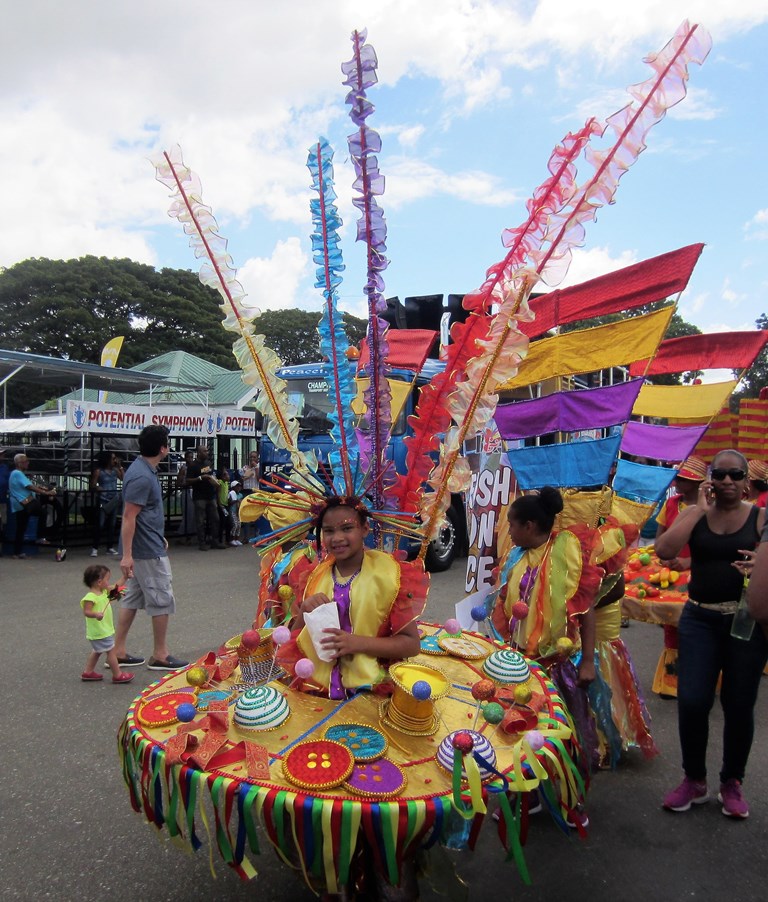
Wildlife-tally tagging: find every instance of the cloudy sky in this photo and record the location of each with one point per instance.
(473, 96)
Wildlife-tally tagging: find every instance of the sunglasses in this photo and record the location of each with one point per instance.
(719, 474)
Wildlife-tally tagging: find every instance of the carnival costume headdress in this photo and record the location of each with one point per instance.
(485, 350)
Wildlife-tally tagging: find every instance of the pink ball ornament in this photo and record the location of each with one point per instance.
(519, 610)
(281, 635)
(304, 668)
(251, 639)
(452, 627)
(464, 742)
(534, 739)
(421, 690)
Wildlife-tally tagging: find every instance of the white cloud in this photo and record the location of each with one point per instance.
(692, 304)
(272, 283)
(407, 136)
(757, 227)
(597, 261)
(409, 180)
(730, 296)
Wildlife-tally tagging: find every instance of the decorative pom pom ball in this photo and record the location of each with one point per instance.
(564, 646)
(493, 712)
(478, 613)
(535, 739)
(483, 690)
(421, 690)
(304, 668)
(197, 676)
(251, 639)
(186, 711)
(519, 610)
(281, 635)
(285, 593)
(452, 627)
(463, 742)
(522, 695)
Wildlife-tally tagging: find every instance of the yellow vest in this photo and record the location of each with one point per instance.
(371, 596)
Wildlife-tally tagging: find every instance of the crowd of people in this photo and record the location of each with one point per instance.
(713, 523)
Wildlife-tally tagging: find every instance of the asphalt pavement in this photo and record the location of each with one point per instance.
(67, 830)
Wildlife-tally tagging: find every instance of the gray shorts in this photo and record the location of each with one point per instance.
(106, 643)
(150, 588)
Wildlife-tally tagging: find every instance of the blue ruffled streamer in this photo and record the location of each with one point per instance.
(326, 253)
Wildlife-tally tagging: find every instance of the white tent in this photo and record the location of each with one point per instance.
(21, 425)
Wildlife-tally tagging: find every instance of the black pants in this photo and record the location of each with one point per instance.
(22, 520)
(706, 648)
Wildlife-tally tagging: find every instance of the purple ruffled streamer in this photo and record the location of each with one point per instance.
(360, 74)
(326, 253)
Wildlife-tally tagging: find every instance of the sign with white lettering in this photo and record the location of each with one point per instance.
(123, 419)
(492, 488)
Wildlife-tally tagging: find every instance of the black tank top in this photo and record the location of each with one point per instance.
(713, 579)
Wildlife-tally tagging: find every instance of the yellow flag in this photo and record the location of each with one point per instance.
(109, 355)
(399, 391)
(589, 350)
(683, 402)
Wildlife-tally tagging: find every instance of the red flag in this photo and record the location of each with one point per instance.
(714, 351)
(642, 283)
(408, 349)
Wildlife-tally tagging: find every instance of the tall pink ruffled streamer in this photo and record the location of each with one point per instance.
(258, 362)
(473, 402)
(432, 417)
(630, 126)
(360, 74)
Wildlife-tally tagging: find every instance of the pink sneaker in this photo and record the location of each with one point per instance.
(732, 799)
(689, 792)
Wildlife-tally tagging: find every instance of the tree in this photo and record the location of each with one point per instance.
(293, 333)
(71, 308)
(756, 376)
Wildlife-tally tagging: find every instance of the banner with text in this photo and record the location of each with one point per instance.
(491, 490)
(123, 419)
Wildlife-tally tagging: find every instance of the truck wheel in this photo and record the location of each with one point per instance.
(442, 550)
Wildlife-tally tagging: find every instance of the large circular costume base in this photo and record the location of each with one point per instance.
(168, 773)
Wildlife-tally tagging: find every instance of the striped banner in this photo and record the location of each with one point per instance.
(721, 435)
(753, 428)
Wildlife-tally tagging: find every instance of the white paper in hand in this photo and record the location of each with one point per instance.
(325, 616)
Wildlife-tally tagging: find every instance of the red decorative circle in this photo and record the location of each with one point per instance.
(318, 764)
(160, 710)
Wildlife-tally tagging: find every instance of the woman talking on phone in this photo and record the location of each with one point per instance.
(722, 531)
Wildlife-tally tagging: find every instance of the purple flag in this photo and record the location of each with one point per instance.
(670, 443)
(568, 411)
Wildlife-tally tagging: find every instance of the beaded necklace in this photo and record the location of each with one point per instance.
(339, 580)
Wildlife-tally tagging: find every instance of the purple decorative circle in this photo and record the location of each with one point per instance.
(376, 778)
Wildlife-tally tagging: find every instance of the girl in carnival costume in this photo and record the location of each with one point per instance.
(550, 572)
(615, 696)
(378, 597)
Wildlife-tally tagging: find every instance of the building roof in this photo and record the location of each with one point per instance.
(172, 378)
(69, 373)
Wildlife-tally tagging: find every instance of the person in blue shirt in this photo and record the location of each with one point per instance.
(144, 549)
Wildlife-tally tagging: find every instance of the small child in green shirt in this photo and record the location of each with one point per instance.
(99, 626)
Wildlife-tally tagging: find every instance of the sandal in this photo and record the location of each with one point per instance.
(90, 676)
(122, 678)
